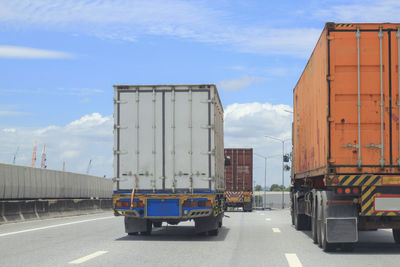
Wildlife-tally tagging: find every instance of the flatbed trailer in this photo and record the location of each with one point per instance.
(346, 137)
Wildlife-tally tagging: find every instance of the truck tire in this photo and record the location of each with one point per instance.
(314, 220)
(325, 245)
(396, 235)
(318, 219)
(300, 220)
(149, 227)
(157, 224)
(213, 232)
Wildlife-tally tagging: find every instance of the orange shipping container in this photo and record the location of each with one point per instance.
(346, 103)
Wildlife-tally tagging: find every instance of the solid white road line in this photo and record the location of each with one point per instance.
(293, 260)
(53, 226)
(276, 230)
(88, 257)
(267, 219)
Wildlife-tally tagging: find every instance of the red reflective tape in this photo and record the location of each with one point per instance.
(339, 202)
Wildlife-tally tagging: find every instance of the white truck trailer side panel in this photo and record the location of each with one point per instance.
(170, 137)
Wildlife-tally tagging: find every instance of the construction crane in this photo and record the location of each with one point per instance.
(15, 155)
(89, 166)
(43, 163)
(33, 162)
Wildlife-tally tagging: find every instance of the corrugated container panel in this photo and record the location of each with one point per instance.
(346, 118)
(239, 174)
(169, 136)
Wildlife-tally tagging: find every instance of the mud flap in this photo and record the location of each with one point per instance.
(341, 230)
(134, 225)
(205, 224)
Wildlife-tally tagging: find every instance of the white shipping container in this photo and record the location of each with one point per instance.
(170, 137)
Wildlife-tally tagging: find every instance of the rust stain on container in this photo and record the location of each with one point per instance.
(239, 175)
(329, 134)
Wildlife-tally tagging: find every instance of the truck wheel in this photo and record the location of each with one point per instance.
(314, 220)
(318, 219)
(157, 224)
(348, 247)
(213, 232)
(326, 246)
(149, 227)
(396, 235)
(300, 220)
(133, 233)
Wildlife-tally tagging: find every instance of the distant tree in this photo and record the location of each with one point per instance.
(276, 187)
(258, 188)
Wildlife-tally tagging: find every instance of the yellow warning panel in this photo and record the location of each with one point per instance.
(390, 180)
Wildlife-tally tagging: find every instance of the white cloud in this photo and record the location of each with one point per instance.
(247, 124)
(238, 84)
(9, 130)
(8, 51)
(362, 11)
(89, 137)
(127, 20)
(11, 113)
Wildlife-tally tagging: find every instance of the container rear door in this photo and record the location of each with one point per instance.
(163, 137)
(362, 99)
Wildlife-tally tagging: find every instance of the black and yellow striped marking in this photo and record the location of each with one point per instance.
(354, 180)
(368, 194)
(344, 25)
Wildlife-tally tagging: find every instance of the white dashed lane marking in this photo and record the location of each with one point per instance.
(293, 260)
(52, 226)
(276, 230)
(88, 257)
(267, 219)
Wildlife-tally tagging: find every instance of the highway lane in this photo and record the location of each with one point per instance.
(260, 238)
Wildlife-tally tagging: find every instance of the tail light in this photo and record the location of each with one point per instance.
(122, 204)
(347, 190)
(335, 180)
(137, 204)
(204, 203)
(190, 204)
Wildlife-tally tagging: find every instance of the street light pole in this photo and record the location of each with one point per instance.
(283, 166)
(265, 178)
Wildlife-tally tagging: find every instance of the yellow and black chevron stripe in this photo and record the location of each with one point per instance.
(354, 180)
(344, 25)
(368, 194)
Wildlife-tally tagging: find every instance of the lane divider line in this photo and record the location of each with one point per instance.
(293, 260)
(276, 230)
(262, 214)
(267, 219)
(88, 257)
(53, 226)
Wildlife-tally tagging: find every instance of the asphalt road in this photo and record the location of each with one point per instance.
(260, 238)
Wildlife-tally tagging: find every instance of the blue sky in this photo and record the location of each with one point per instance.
(59, 60)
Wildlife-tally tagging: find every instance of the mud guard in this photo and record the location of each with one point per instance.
(341, 219)
(209, 223)
(134, 225)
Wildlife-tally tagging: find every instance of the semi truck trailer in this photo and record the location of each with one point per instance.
(346, 138)
(168, 156)
(239, 178)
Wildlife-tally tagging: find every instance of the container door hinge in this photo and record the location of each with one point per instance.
(119, 101)
(330, 119)
(209, 153)
(119, 127)
(330, 77)
(212, 126)
(350, 146)
(120, 152)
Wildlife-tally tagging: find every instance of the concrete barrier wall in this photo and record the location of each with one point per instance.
(21, 210)
(20, 182)
(272, 200)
